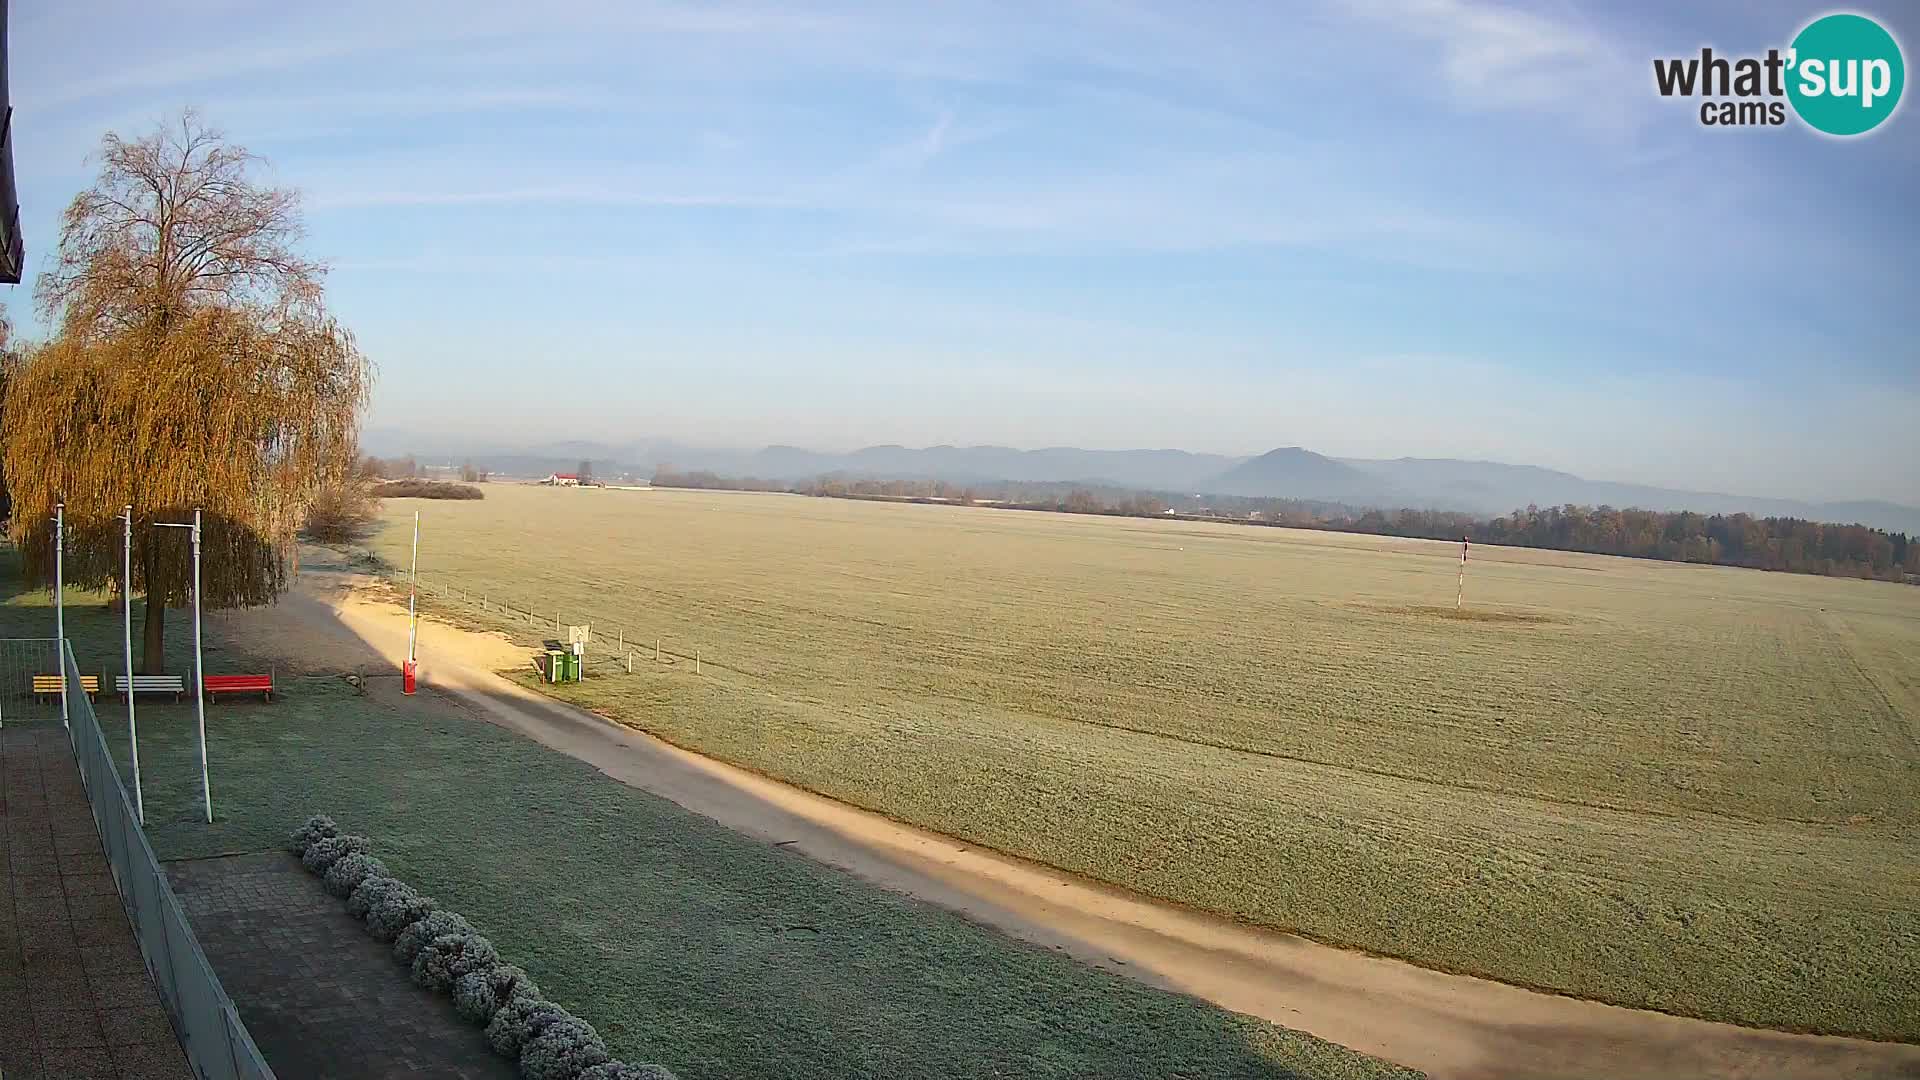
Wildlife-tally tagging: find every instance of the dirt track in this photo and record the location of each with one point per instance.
(1454, 1027)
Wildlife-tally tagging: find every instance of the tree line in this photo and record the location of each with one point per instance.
(1793, 545)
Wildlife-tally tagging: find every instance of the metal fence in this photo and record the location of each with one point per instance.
(216, 1042)
(616, 644)
(21, 659)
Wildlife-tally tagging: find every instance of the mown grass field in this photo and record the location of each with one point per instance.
(1684, 788)
(682, 942)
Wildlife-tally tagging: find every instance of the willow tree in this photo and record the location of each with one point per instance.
(193, 365)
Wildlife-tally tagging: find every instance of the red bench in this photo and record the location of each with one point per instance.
(238, 684)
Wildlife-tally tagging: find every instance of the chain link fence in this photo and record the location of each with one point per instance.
(216, 1042)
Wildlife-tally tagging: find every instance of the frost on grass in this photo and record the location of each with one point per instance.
(442, 961)
(478, 994)
(349, 871)
(314, 829)
(418, 934)
(620, 1070)
(562, 1050)
(321, 856)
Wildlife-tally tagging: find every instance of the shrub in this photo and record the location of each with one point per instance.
(314, 829)
(321, 856)
(446, 958)
(519, 1020)
(349, 871)
(478, 994)
(371, 890)
(341, 512)
(426, 489)
(421, 932)
(398, 909)
(620, 1070)
(562, 1050)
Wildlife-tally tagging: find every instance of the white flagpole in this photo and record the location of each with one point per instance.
(413, 579)
(60, 601)
(200, 673)
(1461, 599)
(126, 640)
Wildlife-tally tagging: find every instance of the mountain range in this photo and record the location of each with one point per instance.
(1482, 487)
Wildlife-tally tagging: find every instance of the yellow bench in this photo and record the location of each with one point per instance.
(55, 685)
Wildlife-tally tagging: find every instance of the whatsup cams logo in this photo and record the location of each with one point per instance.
(1842, 75)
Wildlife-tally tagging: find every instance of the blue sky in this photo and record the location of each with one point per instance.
(1424, 227)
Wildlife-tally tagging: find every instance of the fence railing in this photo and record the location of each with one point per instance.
(21, 659)
(216, 1042)
(616, 643)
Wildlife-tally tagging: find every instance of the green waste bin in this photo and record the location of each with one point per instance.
(556, 666)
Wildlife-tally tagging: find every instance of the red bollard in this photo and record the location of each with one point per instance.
(406, 676)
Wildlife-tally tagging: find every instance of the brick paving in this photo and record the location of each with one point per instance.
(75, 999)
(321, 997)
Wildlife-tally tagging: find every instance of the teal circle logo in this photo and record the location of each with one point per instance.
(1845, 74)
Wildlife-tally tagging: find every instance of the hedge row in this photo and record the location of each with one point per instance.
(445, 953)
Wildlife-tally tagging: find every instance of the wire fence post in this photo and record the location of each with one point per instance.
(696, 661)
(629, 663)
(656, 650)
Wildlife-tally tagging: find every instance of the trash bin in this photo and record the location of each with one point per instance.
(556, 666)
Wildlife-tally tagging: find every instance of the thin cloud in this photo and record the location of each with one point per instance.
(571, 196)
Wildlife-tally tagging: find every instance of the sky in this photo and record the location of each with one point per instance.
(1433, 228)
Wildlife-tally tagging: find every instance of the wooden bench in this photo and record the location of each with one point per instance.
(45, 686)
(151, 684)
(238, 684)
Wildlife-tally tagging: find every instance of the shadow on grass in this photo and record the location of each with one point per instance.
(684, 942)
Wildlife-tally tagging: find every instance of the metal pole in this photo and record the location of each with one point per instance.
(1461, 597)
(60, 599)
(200, 673)
(126, 642)
(413, 576)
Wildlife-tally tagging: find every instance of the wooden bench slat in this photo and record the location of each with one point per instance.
(239, 684)
(57, 684)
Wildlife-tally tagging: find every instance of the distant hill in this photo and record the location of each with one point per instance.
(1295, 473)
(1481, 487)
(1489, 487)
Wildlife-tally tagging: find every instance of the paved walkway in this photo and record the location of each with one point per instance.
(75, 999)
(321, 997)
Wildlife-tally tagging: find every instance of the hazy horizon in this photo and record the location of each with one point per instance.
(1433, 228)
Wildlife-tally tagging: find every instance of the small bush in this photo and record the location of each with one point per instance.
(324, 853)
(426, 489)
(562, 1051)
(620, 1070)
(478, 994)
(314, 829)
(398, 909)
(340, 513)
(446, 958)
(349, 871)
(371, 890)
(422, 932)
(519, 1020)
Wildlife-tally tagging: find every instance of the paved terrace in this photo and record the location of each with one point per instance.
(75, 999)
